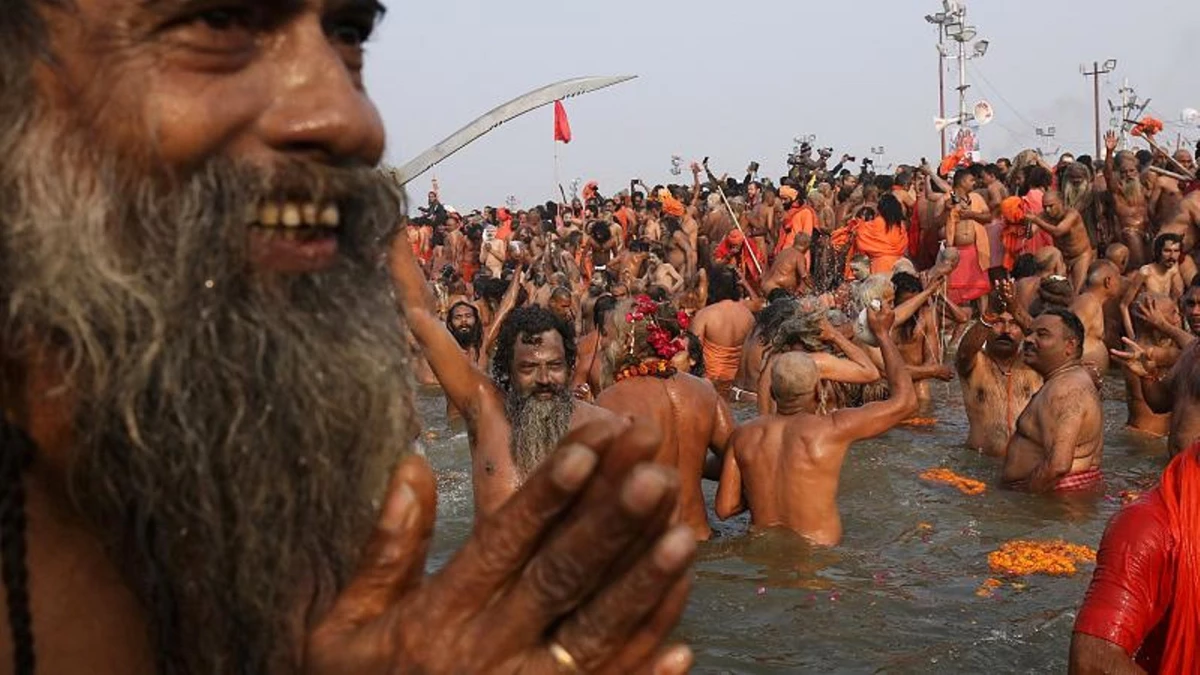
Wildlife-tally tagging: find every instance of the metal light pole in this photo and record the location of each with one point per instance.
(939, 20)
(1047, 132)
(1095, 73)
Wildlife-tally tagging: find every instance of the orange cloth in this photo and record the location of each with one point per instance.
(968, 281)
(799, 220)
(670, 205)
(883, 245)
(1013, 211)
(721, 363)
(749, 253)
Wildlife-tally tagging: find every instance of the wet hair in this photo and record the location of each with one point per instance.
(892, 211)
(1161, 241)
(16, 454)
(994, 171)
(476, 338)
(601, 308)
(904, 178)
(526, 323)
(906, 284)
(671, 224)
(1038, 177)
(777, 295)
(723, 285)
(600, 231)
(960, 176)
(695, 353)
(1026, 265)
(1144, 157)
(1074, 326)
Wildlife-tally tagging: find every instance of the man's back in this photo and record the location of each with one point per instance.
(726, 323)
(691, 417)
(790, 478)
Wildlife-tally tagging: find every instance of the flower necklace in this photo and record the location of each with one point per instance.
(655, 367)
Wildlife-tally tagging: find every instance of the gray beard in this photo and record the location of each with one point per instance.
(537, 427)
(233, 432)
(1077, 198)
(1132, 189)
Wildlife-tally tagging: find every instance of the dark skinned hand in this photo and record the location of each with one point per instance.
(582, 557)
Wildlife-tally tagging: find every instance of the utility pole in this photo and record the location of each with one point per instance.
(939, 21)
(1095, 73)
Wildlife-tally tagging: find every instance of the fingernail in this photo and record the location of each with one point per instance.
(644, 490)
(573, 467)
(400, 510)
(675, 549)
(677, 660)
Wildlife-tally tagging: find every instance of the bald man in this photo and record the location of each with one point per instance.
(1070, 235)
(1103, 285)
(785, 467)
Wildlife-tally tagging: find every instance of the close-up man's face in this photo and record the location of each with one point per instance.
(1171, 252)
(1191, 309)
(540, 368)
(1048, 345)
(1053, 205)
(1006, 335)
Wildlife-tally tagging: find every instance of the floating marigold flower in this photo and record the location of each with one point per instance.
(967, 486)
(920, 422)
(988, 587)
(1024, 557)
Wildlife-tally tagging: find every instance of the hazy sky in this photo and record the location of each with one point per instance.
(737, 81)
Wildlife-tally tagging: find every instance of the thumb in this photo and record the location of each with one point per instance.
(393, 560)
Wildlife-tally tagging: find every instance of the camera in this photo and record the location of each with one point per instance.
(825, 153)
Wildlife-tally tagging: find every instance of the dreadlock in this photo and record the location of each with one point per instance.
(16, 453)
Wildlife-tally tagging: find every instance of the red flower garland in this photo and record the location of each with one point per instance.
(645, 309)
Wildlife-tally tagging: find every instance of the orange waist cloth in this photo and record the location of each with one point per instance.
(721, 363)
(968, 281)
(883, 245)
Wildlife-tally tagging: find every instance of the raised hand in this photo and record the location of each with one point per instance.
(1136, 360)
(578, 572)
(1147, 310)
(1110, 140)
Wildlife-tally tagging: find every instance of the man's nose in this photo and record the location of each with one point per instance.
(320, 110)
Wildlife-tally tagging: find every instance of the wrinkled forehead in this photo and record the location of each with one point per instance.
(547, 346)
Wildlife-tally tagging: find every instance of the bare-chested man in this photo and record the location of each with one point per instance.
(722, 327)
(662, 273)
(515, 421)
(692, 417)
(1161, 277)
(790, 270)
(1059, 437)
(786, 467)
(1167, 193)
(965, 231)
(1176, 391)
(1103, 284)
(1124, 181)
(996, 382)
(1070, 237)
(1158, 322)
(917, 340)
(1048, 262)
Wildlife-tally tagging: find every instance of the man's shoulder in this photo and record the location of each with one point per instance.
(586, 413)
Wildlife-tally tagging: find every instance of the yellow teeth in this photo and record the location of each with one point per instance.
(296, 214)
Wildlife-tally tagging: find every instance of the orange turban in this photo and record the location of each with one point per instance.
(788, 193)
(1013, 210)
(736, 238)
(670, 205)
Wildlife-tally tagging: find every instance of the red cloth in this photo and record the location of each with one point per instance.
(968, 281)
(1080, 482)
(562, 127)
(725, 252)
(914, 233)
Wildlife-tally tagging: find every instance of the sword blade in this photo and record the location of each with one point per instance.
(508, 111)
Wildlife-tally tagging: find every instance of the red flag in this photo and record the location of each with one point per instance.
(562, 128)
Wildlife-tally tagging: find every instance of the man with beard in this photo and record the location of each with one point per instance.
(692, 416)
(1059, 437)
(1070, 236)
(1161, 276)
(996, 383)
(517, 418)
(464, 324)
(1178, 390)
(1123, 178)
(1186, 224)
(1157, 319)
(205, 382)
(1078, 196)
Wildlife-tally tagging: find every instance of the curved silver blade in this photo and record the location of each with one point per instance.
(514, 108)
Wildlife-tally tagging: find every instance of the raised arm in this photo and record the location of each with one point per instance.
(1147, 310)
(969, 347)
(873, 419)
(856, 368)
(730, 499)
(1110, 164)
(507, 305)
(465, 386)
(1131, 293)
(1059, 230)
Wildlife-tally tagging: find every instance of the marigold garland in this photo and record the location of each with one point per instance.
(1021, 557)
(920, 422)
(661, 369)
(967, 486)
(1148, 127)
(644, 309)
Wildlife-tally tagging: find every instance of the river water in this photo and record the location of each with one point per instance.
(899, 594)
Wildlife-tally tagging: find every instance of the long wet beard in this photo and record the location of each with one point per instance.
(537, 427)
(1077, 197)
(1132, 189)
(232, 431)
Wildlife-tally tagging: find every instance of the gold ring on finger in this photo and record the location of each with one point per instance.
(563, 658)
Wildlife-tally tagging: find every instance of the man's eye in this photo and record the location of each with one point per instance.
(351, 34)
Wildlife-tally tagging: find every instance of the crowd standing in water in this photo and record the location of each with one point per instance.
(206, 447)
(829, 300)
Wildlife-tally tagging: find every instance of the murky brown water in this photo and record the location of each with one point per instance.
(899, 595)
